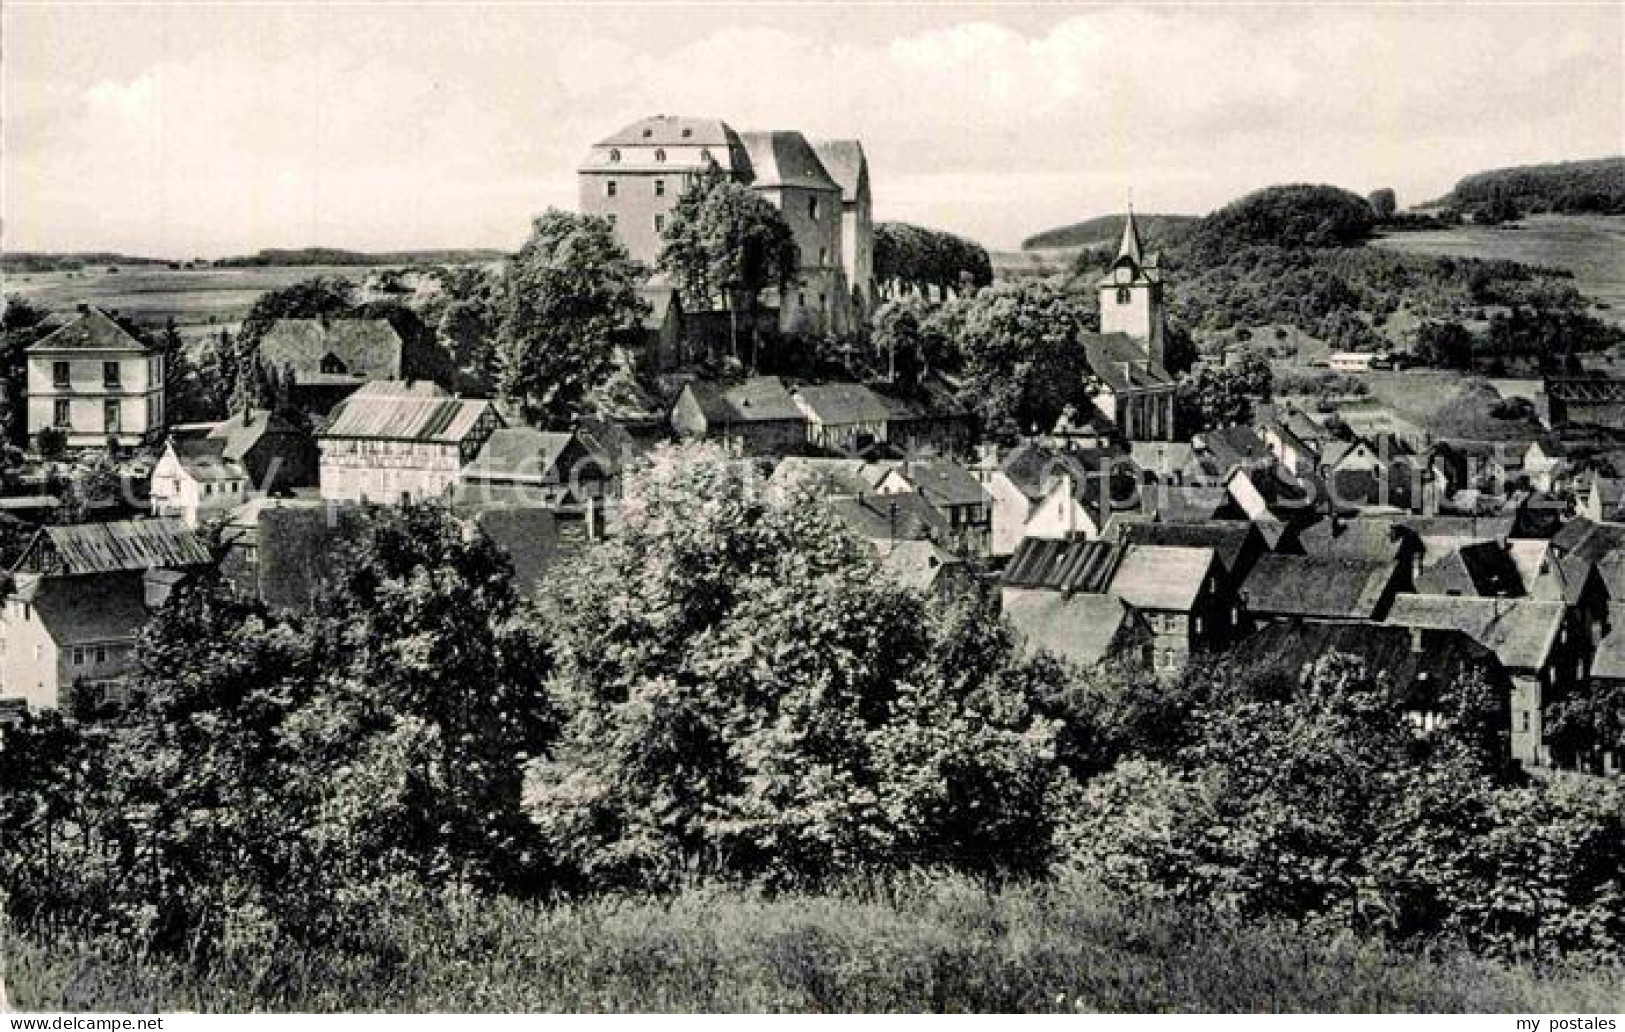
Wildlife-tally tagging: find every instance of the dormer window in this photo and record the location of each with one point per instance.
(647, 133)
(687, 133)
(331, 363)
(660, 155)
(615, 155)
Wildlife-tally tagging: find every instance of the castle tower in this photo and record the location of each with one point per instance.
(1131, 293)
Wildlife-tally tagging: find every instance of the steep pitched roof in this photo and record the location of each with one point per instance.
(846, 164)
(783, 158)
(239, 434)
(842, 403)
(1485, 569)
(81, 611)
(519, 453)
(1521, 632)
(1608, 663)
(916, 564)
(760, 399)
(887, 517)
(445, 420)
(1162, 577)
(92, 330)
(367, 349)
(1324, 588)
(1121, 362)
(1081, 628)
(205, 460)
(943, 482)
(1366, 538)
(1226, 538)
(1068, 566)
(117, 546)
(1129, 246)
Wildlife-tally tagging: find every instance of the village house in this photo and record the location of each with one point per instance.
(1289, 448)
(926, 567)
(1536, 642)
(1608, 675)
(330, 359)
(756, 416)
(95, 382)
(401, 448)
(1086, 629)
(194, 480)
(844, 417)
(660, 345)
(954, 492)
(1602, 499)
(1575, 402)
(79, 597)
(1308, 589)
(1173, 590)
(523, 465)
(277, 455)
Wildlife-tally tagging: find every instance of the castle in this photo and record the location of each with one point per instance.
(635, 176)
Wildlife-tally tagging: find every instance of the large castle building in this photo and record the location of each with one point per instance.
(636, 175)
(1133, 387)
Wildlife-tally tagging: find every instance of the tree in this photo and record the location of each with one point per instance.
(724, 240)
(320, 297)
(1020, 353)
(1215, 397)
(21, 324)
(1383, 203)
(1444, 345)
(569, 299)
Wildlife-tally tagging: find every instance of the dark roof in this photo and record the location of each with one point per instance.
(82, 610)
(92, 330)
(943, 482)
(519, 453)
(1071, 566)
(1324, 588)
(839, 403)
(1413, 669)
(667, 130)
(446, 420)
(783, 158)
(1485, 569)
(1521, 632)
(243, 431)
(877, 517)
(1582, 538)
(1359, 538)
(205, 459)
(117, 546)
(368, 349)
(760, 399)
(845, 163)
(1122, 362)
(1609, 661)
(1234, 446)
(1227, 538)
(1034, 469)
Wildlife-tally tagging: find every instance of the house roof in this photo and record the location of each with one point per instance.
(83, 610)
(117, 546)
(205, 460)
(841, 403)
(400, 389)
(1068, 566)
(1234, 446)
(367, 348)
(1122, 362)
(1584, 539)
(1360, 538)
(91, 330)
(759, 399)
(845, 163)
(1445, 657)
(1080, 628)
(916, 564)
(783, 158)
(1485, 569)
(942, 482)
(446, 420)
(1034, 469)
(876, 517)
(1226, 538)
(1521, 632)
(519, 453)
(1608, 663)
(1162, 577)
(240, 433)
(1320, 587)
(1164, 457)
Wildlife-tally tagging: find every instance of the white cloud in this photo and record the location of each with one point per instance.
(212, 131)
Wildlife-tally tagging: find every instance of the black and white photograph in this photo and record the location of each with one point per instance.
(812, 508)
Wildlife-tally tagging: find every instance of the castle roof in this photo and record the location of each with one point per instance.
(845, 162)
(783, 158)
(671, 130)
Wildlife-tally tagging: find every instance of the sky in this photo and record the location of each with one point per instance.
(179, 130)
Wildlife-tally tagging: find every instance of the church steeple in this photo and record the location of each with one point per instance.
(1130, 246)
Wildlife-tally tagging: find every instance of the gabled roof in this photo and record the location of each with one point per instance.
(783, 158)
(92, 330)
(846, 164)
(1484, 569)
(842, 403)
(1361, 538)
(1226, 538)
(80, 611)
(942, 482)
(118, 546)
(1121, 362)
(1323, 588)
(1582, 538)
(759, 399)
(1034, 469)
(1608, 663)
(1521, 632)
(444, 420)
(876, 517)
(519, 453)
(1080, 628)
(1234, 446)
(1162, 577)
(239, 434)
(1068, 566)
(916, 564)
(1164, 457)
(831, 477)
(205, 460)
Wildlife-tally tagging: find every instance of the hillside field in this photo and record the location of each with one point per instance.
(910, 944)
(1592, 247)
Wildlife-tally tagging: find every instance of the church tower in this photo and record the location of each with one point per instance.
(1131, 294)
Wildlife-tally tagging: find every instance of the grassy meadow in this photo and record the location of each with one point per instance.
(917, 944)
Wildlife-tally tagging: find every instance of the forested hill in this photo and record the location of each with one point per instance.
(1106, 230)
(67, 261)
(1595, 186)
(337, 256)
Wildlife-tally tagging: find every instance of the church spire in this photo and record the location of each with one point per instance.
(1130, 247)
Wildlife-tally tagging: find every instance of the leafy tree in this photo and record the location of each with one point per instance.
(320, 297)
(1383, 203)
(21, 324)
(1020, 353)
(1215, 397)
(569, 298)
(908, 257)
(1445, 345)
(723, 240)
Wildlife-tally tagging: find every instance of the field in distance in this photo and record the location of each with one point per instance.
(1592, 247)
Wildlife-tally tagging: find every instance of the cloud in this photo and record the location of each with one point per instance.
(206, 131)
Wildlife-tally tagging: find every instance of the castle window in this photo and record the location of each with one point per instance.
(660, 155)
(660, 223)
(823, 255)
(615, 155)
(660, 188)
(687, 133)
(609, 188)
(111, 416)
(1124, 295)
(648, 133)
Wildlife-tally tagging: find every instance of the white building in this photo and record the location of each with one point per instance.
(93, 381)
(396, 448)
(197, 482)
